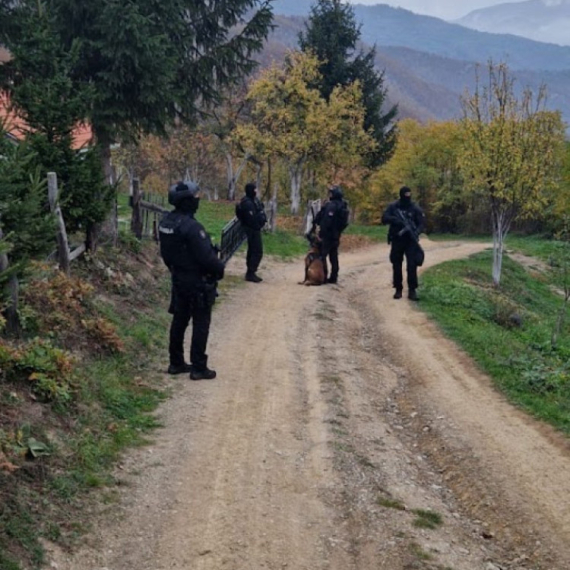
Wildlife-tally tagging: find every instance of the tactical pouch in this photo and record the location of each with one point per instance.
(419, 255)
(206, 295)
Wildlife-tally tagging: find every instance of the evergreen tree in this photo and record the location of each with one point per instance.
(144, 64)
(148, 63)
(25, 219)
(332, 35)
(45, 96)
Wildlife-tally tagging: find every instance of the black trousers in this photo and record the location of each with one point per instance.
(329, 248)
(254, 250)
(185, 305)
(404, 248)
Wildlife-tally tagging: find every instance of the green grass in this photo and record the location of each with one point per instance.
(427, 519)
(374, 233)
(419, 552)
(541, 248)
(391, 503)
(113, 397)
(282, 244)
(508, 329)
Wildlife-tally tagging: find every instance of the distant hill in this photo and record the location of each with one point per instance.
(540, 20)
(445, 80)
(386, 26)
(426, 86)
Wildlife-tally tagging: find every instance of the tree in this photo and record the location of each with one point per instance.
(222, 122)
(148, 63)
(332, 35)
(512, 152)
(291, 121)
(27, 228)
(44, 95)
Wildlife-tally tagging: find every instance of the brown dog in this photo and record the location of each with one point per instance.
(314, 268)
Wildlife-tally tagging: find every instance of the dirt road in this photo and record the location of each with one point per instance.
(341, 423)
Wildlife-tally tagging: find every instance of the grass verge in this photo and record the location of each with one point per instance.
(508, 330)
(78, 389)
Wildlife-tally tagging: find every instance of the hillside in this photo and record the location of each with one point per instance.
(386, 26)
(540, 20)
(424, 84)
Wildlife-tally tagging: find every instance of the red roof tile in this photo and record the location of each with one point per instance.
(16, 126)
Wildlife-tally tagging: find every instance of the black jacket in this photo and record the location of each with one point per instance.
(411, 210)
(252, 215)
(330, 220)
(187, 250)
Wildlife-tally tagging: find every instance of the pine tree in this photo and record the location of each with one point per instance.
(332, 35)
(44, 94)
(147, 63)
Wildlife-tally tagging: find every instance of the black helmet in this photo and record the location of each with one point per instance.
(182, 190)
(335, 192)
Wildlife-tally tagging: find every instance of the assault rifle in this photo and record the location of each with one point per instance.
(410, 227)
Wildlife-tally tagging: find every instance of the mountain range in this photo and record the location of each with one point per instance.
(540, 20)
(428, 63)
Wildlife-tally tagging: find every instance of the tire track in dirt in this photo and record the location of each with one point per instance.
(336, 413)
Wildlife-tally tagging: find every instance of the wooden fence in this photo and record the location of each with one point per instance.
(147, 210)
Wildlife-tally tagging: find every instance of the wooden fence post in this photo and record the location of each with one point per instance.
(313, 208)
(62, 243)
(136, 218)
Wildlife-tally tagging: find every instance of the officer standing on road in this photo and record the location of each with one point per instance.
(251, 214)
(332, 220)
(195, 269)
(407, 222)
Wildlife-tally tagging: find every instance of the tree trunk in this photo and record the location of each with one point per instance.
(273, 209)
(500, 231)
(12, 290)
(230, 177)
(296, 175)
(62, 242)
(94, 231)
(136, 216)
(233, 175)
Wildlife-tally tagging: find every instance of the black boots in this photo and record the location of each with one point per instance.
(412, 295)
(179, 369)
(252, 277)
(205, 374)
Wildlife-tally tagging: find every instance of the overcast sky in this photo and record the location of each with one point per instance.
(445, 9)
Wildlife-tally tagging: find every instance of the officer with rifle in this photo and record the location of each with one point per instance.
(195, 270)
(407, 222)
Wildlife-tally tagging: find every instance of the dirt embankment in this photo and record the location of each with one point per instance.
(341, 427)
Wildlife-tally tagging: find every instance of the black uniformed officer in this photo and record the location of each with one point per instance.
(403, 243)
(332, 220)
(195, 269)
(252, 216)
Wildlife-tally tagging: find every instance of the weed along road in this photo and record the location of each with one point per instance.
(343, 432)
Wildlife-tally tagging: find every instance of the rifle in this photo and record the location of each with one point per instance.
(410, 227)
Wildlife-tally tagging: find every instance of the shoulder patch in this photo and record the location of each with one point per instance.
(202, 234)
